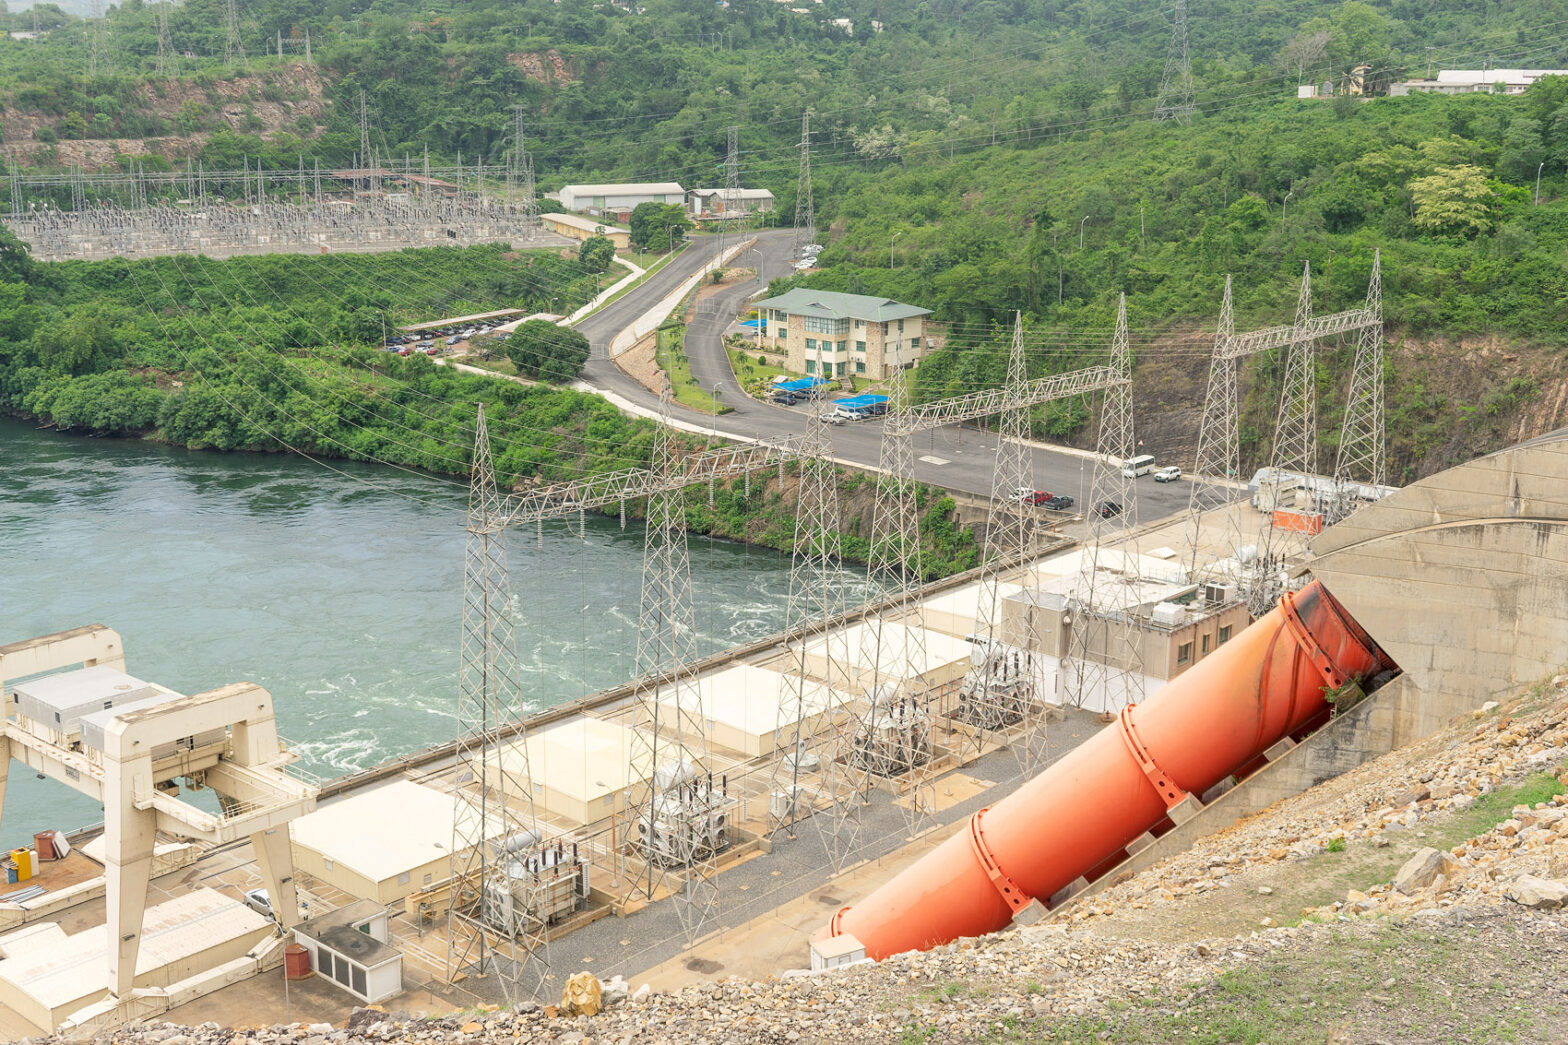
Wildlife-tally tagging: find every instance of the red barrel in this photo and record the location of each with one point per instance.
(43, 841)
(296, 962)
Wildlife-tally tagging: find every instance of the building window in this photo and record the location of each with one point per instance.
(1184, 653)
(860, 346)
(1204, 647)
(821, 325)
(860, 324)
(1224, 636)
(328, 864)
(811, 344)
(901, 326)
(914, 342)
(860, 366)
(402, 878)
(609, 799)
(842, 345)
(811, 366)
(427, 878)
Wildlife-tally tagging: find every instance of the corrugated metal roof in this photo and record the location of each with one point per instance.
(832, 304)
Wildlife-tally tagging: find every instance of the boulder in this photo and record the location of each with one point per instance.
(1422, 869)
(582, 996)
(1543, 894)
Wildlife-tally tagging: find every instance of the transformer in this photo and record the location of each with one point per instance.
(895, 735)
(998, 689)
(689, 817)
(531, 886)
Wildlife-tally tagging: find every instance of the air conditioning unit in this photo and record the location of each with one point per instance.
(1169, 614)
(1218, 594)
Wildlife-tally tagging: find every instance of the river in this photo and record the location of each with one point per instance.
(337, 587)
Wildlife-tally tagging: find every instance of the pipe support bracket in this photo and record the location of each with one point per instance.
(1008, 889)
(1170, 792)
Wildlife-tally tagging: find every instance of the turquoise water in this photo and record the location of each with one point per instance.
(338, 589)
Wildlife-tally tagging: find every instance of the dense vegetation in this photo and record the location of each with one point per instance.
(977, 158)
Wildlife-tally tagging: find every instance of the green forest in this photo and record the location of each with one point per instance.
(977, 158)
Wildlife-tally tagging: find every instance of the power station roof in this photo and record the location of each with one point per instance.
(382, 832)
(747, 698)
(645, 188)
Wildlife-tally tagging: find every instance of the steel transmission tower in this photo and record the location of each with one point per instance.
(1362, 439)
(1295, 452)
(816, 596)
(895, 733)
(494, 803)
(1176, 96)
(805, 215)
(668, 741)
(1105, 658)
(168, 61)
(998, 692)
(233, 47)
(98, 52)
(1214, 470)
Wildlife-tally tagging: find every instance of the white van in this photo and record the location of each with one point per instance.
(1133, 467)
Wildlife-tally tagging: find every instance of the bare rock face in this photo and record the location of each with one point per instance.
(1422, 869)
(1543, 894)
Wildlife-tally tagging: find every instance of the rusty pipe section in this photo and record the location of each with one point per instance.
(1265, 684)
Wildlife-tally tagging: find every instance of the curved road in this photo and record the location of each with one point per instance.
(954, 458)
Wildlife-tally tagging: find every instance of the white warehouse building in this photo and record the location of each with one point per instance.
(614, 199)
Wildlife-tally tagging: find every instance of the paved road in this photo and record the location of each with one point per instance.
(953, 458)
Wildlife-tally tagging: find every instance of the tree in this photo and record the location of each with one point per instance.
(596, 253)
(1452, 201)
(658, 226)
(541, 349)
(1302, 52)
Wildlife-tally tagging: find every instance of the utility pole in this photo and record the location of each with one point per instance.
(731, 187)
(364, 136)
(1175, 101)
(805, 216)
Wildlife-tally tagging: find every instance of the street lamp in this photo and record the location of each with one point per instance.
(718, 388)
(1538, 170)
(757, 252)
(1080, 231)
(1283, 204)
(890, 240)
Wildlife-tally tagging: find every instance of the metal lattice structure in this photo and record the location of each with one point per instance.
(1363, 441)
(1175, 100)
(816, 596)
(1215, 469)
(1295, 451)
(493, 802)
(1105, 655)
(998, 693)
(731, 188)
(168, 61)
(233, 46)
(805, 214)
(896, 739)
(98, 50)
(669, 845)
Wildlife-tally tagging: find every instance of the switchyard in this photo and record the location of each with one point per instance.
(629, 831)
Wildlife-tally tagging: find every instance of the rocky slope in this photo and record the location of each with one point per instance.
(1418, 898)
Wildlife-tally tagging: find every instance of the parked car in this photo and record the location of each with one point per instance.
(1022, 493)
(1167, 475)
(1038, 497)
(1107, 509)
(433, 350)
(1061, 502)
(258, 901)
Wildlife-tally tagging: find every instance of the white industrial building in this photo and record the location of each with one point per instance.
(379, 844)
(351, 947)
(1474, 81)
(620, 198)
(874, 653)
(728, 203)
(738, 708)
(583, 769)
